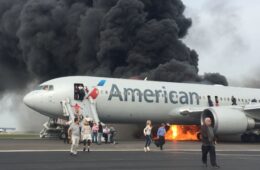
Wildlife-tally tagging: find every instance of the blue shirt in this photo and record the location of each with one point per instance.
(161, 131)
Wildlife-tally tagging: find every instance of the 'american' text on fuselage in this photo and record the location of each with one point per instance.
(153, 96)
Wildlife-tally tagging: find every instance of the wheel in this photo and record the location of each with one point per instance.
(253, 138)
(245, 138)
(258, 138)
(62, 135)
(199, 136)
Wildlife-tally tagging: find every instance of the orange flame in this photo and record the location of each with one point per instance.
(182, 132)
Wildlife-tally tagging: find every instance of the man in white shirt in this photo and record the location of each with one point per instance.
(74, 131)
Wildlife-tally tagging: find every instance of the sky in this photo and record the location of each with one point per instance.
(226, 36)
(224, 33)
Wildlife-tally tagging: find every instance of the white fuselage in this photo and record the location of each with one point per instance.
(135, 101)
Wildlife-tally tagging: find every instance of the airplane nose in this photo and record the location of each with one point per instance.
(27, 100)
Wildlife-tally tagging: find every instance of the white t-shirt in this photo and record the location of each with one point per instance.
(86, 130)
(74, 129)
(148, 130)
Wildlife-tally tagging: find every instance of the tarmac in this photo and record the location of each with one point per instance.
(54, 155)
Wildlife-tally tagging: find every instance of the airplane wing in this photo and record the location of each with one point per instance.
(194, 112)
(252, 110)
(252, 107)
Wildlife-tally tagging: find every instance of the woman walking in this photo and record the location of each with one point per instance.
(147, 134)
(86, 135)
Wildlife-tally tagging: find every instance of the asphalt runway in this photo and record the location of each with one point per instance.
(44, 155)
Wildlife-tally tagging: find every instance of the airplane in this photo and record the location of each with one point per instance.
(5, 129)
(233, 110)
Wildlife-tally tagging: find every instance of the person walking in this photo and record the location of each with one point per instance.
(74, 131)
(94, 133)
(106, 133)
(147, 133)
(86, 135)
(100, 133)
(160, 135)
(112, 134)
(66, 137)
(208, 143)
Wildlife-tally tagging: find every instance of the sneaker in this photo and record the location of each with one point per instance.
(148, 149)
(145, 150)
(216, 167)
(73, 154)
(205, 165)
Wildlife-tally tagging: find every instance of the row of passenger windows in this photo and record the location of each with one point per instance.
(229, 99)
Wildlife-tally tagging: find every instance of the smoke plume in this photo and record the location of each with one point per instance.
(41, 40)
(45, 39)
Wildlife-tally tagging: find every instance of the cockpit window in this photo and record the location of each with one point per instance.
(51, 87)
(45, 87)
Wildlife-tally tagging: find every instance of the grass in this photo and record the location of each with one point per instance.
(19, 136)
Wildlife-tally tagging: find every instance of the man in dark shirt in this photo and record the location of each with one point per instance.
(208, 143)
(210, 103)
(234, 100)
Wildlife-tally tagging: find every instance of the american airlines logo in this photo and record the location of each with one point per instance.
(153, 96)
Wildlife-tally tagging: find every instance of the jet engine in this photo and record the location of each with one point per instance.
(228, 120)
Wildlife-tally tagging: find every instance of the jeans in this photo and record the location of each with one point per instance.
(106, 137)
(94, 137)
(161, 142)
(148, 140)
(212, 152)
(99, 137)
(111, 137)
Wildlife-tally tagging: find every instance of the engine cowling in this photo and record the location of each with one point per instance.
(228, 120)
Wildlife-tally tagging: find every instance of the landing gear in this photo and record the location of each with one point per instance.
(250, 138)
(52, 130)
(63, 135)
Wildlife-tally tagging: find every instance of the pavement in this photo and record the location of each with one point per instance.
(53, 154)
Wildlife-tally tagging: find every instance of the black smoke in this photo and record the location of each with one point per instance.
(44, 39)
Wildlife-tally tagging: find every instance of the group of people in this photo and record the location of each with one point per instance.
(160, 140)
(87, 133)
(90, 132)
(207, 137)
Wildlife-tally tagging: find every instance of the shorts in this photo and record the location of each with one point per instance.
(87, 137)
